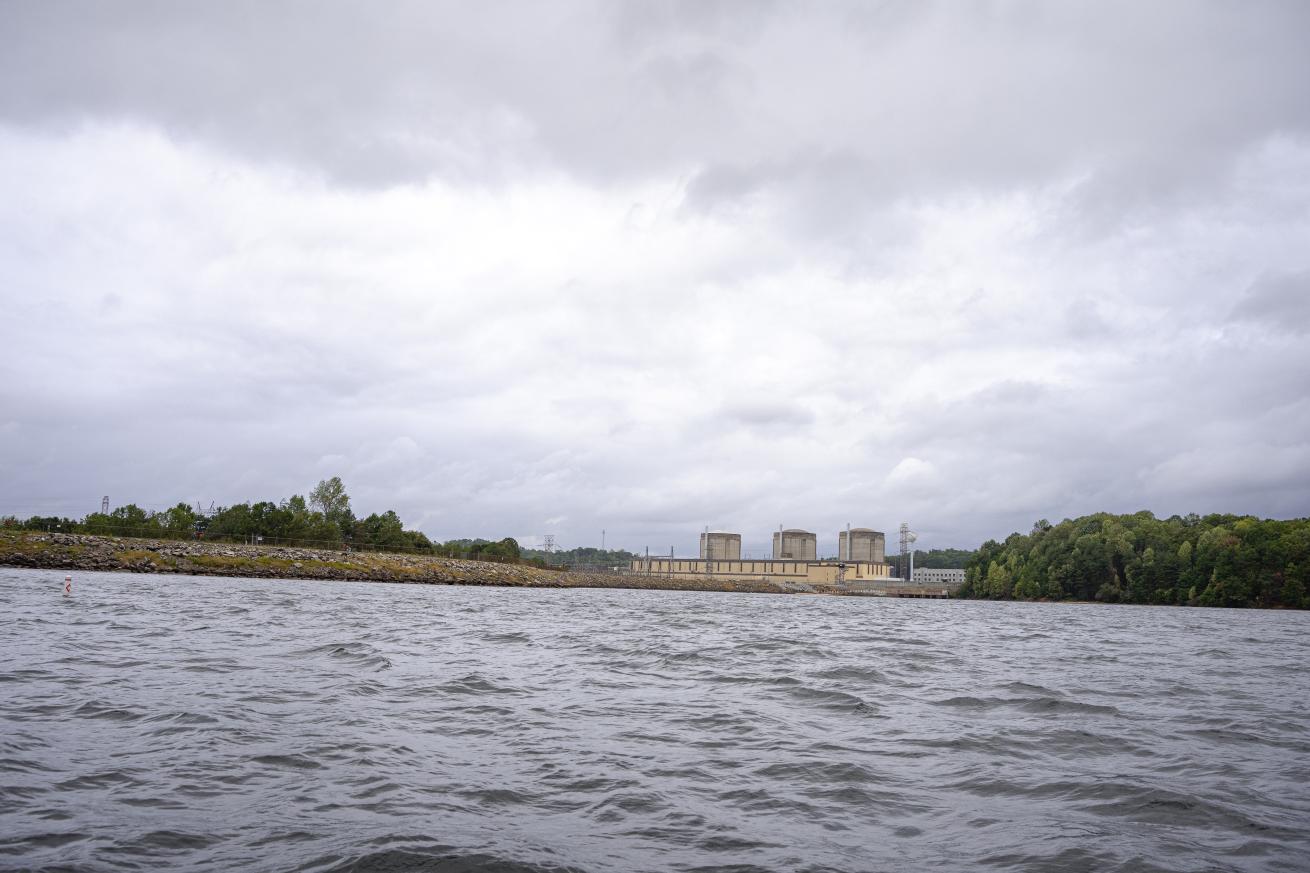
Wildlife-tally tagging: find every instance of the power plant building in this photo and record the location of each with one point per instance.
(718, 546)
(795, 561)
(864, 545)
(835, 573)
(795, 545)
(932, 576)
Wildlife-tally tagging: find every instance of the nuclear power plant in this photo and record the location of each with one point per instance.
(861, 559)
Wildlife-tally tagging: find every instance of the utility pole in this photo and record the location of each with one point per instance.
(706, 556)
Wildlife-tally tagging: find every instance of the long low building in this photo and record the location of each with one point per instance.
(764, 569)
(931, 576)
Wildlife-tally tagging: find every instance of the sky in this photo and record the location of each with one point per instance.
(514, 269)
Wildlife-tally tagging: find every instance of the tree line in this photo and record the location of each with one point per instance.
(929, 559)
(587, 557)
(323, 520)
(938, 559)
(1215, 560)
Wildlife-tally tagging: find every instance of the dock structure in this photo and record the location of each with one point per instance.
(896, 588)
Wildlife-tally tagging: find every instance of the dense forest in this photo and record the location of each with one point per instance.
(324, 520)
(940, 559)
(1215, 560)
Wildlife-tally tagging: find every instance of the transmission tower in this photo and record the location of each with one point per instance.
(548, 543)
(104, 505)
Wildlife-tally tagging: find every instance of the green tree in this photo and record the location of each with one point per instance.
(179, 522)
(330, 498)
(1215, 560)
(125, 521)
(384, 532)
(942, 559)
(999, 581)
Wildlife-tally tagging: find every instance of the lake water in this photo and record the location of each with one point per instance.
(162, 722)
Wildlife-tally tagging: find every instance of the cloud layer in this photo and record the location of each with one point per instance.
(566, 268)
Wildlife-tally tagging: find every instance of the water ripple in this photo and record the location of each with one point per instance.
(156, 722)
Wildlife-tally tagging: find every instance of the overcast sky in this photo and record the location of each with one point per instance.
(519, 268)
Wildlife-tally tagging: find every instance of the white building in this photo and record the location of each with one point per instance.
(949, 578)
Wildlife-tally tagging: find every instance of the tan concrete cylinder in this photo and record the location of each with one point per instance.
(716, 546)
(866, 545)
(796, 545)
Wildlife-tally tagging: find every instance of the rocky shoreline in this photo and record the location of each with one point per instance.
(65, 552)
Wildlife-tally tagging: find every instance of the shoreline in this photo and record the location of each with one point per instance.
(88, 552)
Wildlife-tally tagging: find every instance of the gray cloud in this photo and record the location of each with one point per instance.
(649, 267)
(893, 98)
(1281, 302)
(766, 415)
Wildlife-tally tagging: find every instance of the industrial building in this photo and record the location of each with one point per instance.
(862, 544)
(765, 570)
(927, 576)
(719, 546)
(862, 560)
(795, 545)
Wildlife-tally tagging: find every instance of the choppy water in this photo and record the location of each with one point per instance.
(157, 722)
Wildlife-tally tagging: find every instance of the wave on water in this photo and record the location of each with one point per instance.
(430, 861)
(355, 653)
(273, 726)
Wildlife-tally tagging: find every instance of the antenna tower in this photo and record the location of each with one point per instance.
(104, 505)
